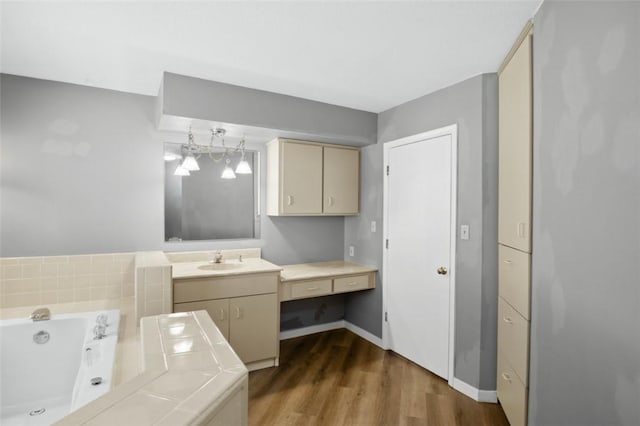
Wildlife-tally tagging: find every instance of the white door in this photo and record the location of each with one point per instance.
(419, 257)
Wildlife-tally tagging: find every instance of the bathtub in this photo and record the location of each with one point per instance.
(51, 368)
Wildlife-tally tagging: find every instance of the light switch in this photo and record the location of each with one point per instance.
(464, 232)
(373, 226)
(352, 251)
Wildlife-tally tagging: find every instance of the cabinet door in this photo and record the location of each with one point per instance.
(301, 170)
(218, 310)
(515, 133)
(254, 326)
(341, 181)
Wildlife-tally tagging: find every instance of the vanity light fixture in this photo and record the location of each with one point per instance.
(192, 152)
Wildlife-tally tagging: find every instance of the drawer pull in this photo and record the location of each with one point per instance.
(352, 283)
(312, 288)
(508, 262)
(507, 320)
(506, 377)
(289, 200)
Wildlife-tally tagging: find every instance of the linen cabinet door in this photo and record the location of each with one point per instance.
(301, 172)
(341, 180)
(254, 326)
(218, 310)
(515, 146)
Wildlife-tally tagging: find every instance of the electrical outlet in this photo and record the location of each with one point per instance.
(352, 251)
(373, 226)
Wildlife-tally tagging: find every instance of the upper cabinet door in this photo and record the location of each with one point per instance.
(515, 158)
(341, 181)
(301, 173)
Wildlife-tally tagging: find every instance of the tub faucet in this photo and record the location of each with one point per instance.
(99, 332)
(217, 258)
(41, 314)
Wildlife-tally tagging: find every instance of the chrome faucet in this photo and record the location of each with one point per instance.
(40, 314)
(217, 258)
(99, 331)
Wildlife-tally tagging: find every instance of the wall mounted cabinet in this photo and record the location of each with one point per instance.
(312, 179)
(514, 229)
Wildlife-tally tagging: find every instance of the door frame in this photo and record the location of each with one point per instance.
(451, 130)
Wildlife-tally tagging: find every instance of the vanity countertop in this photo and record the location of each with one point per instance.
(308, 271)
(203, 269)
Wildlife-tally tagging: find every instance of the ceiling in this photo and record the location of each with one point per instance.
(364, 55)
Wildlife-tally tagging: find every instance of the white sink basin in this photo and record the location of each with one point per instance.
(220, 266)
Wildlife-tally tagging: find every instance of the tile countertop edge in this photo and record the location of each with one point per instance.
(229, 373)
(187, 270)
(310, 271)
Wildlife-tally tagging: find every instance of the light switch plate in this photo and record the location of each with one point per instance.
(352, 251)
(464, 232)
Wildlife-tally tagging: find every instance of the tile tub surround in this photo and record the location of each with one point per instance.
(153, 285)
(26, 281)
(191, 376)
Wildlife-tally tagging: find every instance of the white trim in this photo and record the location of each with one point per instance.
(312, 329)
(336, 325)
(451, 130)
(474, 393)
(363, 333)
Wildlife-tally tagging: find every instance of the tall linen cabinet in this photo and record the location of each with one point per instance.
(514, 229)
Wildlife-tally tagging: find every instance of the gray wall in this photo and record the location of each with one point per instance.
(82, 172)
(585, 329)
(183, 96)
(472, 104)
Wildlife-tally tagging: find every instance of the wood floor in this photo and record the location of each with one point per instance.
(338, 378)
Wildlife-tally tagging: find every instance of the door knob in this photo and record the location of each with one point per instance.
(442, 270)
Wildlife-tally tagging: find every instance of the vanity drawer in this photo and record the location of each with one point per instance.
(513, 339)
(195, 289)
(310, 289)
(358, 282)
(512, 393)
(514, 280)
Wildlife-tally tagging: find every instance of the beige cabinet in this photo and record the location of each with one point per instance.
(314, 287)
(515, 147)
(244, 307)
(514, 228)
(312, 179)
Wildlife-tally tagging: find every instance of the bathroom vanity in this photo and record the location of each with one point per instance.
(241, 297)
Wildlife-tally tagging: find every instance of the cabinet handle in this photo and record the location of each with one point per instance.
(521, 230)
(508, 262)
(507, 320)
(221, 314)
(289, 200)
(312, 288)
(330, 200)
(237, 312)
(351, 284)
(506, 377)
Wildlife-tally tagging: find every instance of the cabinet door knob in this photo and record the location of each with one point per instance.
(330, 200)
(506, 377)
(289, 200)
(442, 270)
(507, 320)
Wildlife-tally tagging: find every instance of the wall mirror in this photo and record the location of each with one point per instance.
(212, 195)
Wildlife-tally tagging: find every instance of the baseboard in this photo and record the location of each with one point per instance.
(363, 333)
(312, 329)
(474, 393)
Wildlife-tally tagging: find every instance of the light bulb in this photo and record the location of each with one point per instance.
(181, 171)
(243, 167)
(190, 163)
(169, 156)
(228, 173)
